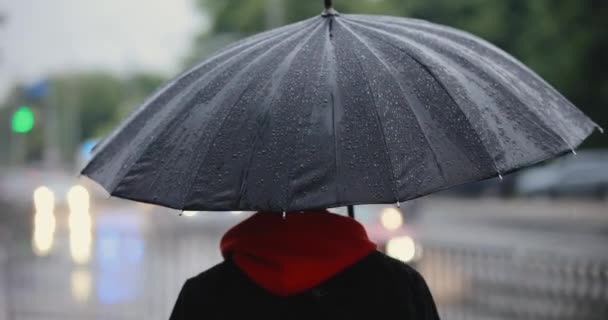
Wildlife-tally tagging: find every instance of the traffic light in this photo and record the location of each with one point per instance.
(23, 120)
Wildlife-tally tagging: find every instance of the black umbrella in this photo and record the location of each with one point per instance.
(337, 110)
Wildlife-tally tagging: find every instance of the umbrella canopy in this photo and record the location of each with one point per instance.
(336, 110)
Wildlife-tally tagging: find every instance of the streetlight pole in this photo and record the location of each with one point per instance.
(51, 151)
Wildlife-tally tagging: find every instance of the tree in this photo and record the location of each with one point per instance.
(86, 105)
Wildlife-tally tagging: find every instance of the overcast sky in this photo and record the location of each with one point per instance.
(40, 37)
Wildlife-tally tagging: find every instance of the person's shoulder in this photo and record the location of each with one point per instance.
(197, 294)
(407, 285)
(393, 265)
(208, 277)
(395, 270)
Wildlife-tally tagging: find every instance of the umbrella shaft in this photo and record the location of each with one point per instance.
(328, 4)
(351, 211)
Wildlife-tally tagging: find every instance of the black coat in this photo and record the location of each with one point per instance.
(377, 287)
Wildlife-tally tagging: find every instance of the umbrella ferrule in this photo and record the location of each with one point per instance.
(329, 9)
(330, 12)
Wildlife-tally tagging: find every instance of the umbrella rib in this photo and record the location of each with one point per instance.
(212, 70)
(388, 69)
(267, 102)
(335, 136)
(449, 93)
(378, 118)
(439, 82)
(246, 68)
(442, 31)
(248, 43)
(438, 32)
(334, 90)
(332, 58)
(288, 191)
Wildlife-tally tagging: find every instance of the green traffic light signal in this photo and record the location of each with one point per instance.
(23, 120)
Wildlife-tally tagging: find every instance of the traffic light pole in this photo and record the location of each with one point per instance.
(17, 149)
(51, 145)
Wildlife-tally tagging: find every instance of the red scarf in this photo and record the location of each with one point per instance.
(291, 255)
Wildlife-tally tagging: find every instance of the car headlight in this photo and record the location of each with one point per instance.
(44, 200)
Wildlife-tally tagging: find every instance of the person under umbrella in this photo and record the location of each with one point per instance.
(333, 111)
(306, 265)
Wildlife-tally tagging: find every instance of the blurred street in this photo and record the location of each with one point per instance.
(135, 261)
(483, 258)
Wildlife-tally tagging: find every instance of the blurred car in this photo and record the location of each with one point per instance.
(19, 185)
(585, 174)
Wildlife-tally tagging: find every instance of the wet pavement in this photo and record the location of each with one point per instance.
(130, 264)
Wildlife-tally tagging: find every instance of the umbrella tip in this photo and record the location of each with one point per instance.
(329, 9)
(501, 177)
(600, 129)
